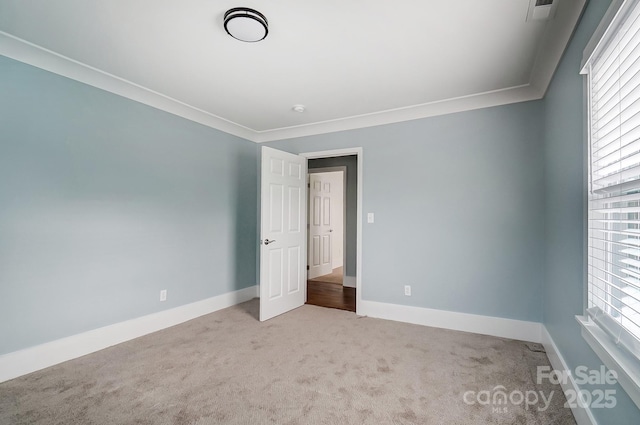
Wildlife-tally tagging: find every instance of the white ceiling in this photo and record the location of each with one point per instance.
(351, 63)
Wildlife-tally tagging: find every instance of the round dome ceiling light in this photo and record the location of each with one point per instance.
(246, 24)
(299, 108)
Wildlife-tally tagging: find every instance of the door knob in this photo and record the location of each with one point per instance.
(267, 241)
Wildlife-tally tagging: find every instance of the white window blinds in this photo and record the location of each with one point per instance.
(614, 195)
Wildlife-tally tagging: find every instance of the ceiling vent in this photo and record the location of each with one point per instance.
(541, 10)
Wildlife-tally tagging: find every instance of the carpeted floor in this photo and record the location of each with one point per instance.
(310, 366)
(336, 276)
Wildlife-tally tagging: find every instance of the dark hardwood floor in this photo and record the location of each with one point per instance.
(332, 295)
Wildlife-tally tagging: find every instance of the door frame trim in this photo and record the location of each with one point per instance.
(358, 152)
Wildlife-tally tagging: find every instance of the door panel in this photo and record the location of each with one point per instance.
(315, 260)
(276, 199)
(317, 214)
(295, 209)
(275, 274)
(326, 249)
(326, 212)
(282, 260)
(296, 277)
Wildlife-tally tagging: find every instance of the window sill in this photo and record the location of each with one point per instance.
(613, 357)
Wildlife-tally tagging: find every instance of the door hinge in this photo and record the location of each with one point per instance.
(309, 185)
(307, 267)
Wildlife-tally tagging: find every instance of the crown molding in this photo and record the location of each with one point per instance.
(32, 54)
(552, 46)
(425, 110)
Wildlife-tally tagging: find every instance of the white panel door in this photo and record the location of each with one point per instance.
(319, 260)
(283, 234)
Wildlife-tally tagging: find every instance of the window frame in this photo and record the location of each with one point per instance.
(612, 355)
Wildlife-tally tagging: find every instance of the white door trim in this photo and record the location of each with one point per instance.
(358, 153)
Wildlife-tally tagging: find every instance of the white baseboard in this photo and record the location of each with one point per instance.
(582, 415)
(349, 281)
(31, 359)
(485, 325)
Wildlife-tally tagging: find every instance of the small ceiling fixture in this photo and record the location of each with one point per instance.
(246, 24)
(298, 108)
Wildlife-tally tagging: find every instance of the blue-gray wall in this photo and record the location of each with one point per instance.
(565, 183)
(351, 205)
(458, 209)
(105, 201)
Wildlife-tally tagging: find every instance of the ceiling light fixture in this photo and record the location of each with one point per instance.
(246, 24)
(298, 108)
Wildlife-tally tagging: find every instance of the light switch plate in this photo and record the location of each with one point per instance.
(370, 218)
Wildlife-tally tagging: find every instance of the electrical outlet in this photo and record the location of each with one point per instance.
(407, 290)
(163, 295)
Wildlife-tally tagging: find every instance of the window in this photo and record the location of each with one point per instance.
(613, 70)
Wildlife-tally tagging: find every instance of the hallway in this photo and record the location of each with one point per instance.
(327, 291)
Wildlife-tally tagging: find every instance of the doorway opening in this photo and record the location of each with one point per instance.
(283, 228)
(332, 229)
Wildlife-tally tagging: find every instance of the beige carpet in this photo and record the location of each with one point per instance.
(335, 276)
(310, 366)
